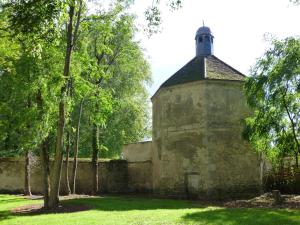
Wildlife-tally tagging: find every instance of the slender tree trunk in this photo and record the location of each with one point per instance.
(44, 155)
(68, 147)
(297, 161)
(45, 165)
(57, 165)
(95, 136)
(56, 171)
(75, 163)
(27, 189)
(7, 139)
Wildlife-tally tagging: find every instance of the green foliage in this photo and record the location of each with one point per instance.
(273, 91)
(129, 121)
(22, 124)
(37, 19)
(26, 70)
(117, 73)
(108, 73)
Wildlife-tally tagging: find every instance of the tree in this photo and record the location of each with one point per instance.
(153, 14)
(22, 72)
(71, 36)
(273, 92)
(50, 26)
(32, 77)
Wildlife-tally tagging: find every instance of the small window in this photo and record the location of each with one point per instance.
(207, 38)
(200, 40)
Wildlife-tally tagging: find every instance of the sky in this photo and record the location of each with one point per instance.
(239, 28)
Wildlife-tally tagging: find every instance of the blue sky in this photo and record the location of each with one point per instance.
(239, 28)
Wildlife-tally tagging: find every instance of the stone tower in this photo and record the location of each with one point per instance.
(198, 150)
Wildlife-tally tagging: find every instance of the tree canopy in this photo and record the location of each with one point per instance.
(64, 72)
(273, 92)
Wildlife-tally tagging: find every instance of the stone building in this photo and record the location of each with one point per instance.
(197, 150)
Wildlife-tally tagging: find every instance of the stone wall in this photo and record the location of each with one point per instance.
(138, 152)
(139, 158)
(140, 178)
(198, 147)
(115, 176)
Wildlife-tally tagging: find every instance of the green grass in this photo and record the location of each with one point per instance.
(129, 210)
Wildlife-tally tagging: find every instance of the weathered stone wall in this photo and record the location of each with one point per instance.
(140, 179)
(138, 152)
(139, 158)
(115, 176)
(198, 148)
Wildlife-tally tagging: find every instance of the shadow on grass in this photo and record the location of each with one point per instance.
(6, 199)
(100, 204)
(244, 216)
(131, 203)
(4, 215)
(203, 215)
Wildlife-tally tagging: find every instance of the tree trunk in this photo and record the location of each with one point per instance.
(7, 138)
(95, 136)
(56, 171)
(297, 161)
(44, 155)
(67, 163)
(74, 171)
(45, 165)
(57, 165)
(27, 189)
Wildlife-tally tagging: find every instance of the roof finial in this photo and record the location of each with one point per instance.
(203, 22)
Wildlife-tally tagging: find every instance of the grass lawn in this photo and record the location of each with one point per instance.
(130, 210)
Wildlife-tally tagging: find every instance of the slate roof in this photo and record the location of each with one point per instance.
(204, 68)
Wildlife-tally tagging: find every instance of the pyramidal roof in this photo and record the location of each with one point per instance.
(204, 68)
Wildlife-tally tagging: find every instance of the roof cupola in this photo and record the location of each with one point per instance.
(204, 41)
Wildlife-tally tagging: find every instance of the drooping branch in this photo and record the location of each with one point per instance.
(292, 122)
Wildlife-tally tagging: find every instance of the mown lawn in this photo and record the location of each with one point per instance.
(130, 210)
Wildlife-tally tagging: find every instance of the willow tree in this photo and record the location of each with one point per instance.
(273, 91)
